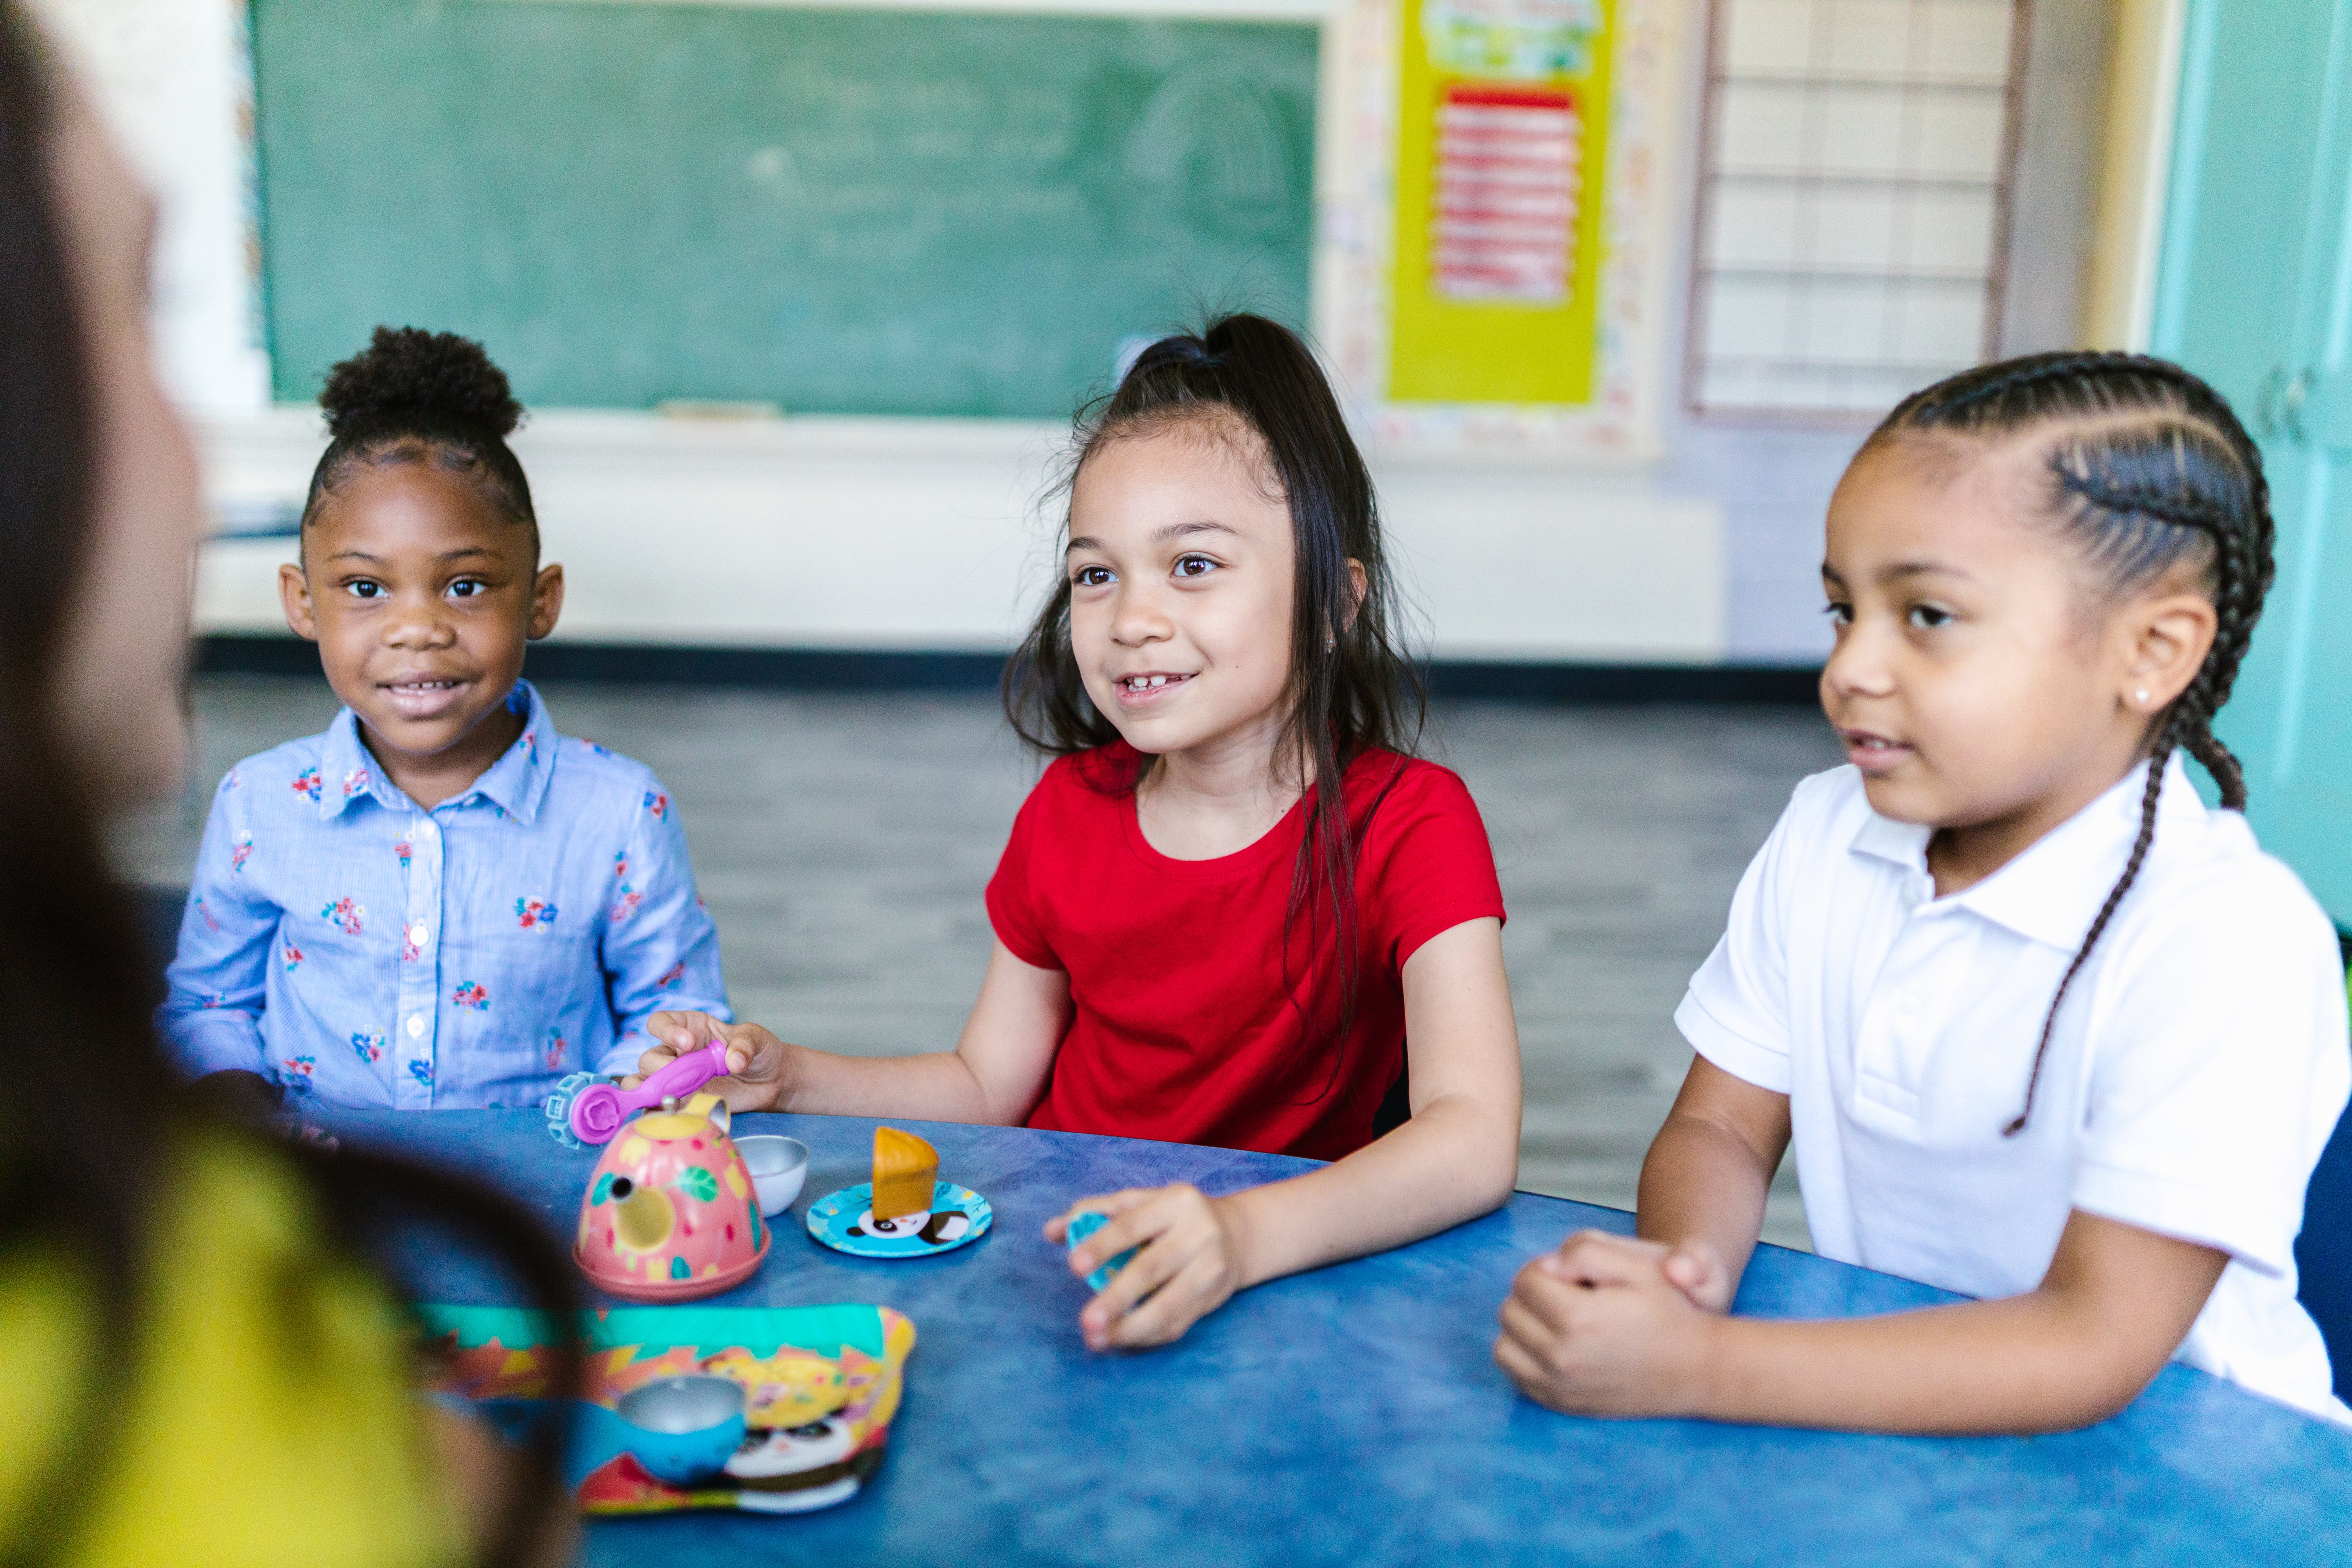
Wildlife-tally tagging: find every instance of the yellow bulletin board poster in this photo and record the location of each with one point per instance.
(1502, 152)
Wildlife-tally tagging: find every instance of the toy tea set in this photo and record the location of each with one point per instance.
(676, 1209)
(762, 1409)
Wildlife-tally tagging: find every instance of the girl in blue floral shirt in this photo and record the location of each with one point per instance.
(440, 902)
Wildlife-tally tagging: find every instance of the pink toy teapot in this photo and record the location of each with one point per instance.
(670, 1214)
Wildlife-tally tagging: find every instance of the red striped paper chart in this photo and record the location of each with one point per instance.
(1509, 174)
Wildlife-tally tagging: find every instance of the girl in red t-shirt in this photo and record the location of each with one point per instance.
(1234, 910)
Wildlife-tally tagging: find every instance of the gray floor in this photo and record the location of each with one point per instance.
(842, 842)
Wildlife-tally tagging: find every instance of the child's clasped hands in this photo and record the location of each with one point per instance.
(1615, 1325)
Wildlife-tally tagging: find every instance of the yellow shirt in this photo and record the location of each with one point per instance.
(271, 1416)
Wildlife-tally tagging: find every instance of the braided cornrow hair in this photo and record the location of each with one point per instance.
(2148, 467)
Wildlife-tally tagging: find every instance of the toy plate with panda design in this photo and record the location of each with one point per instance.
(844, 1222)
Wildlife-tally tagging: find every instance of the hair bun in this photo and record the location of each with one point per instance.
(407, 374)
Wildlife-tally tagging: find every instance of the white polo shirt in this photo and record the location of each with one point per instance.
(2195, 1073)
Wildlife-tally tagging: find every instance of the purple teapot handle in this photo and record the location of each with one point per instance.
(600, 1109)
(683, 1077)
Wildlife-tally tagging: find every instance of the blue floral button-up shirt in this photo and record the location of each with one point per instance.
(362, 950)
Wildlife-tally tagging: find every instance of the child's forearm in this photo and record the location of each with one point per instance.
(1455, 1159)
(201, 1040)
(2030, 1363)
(1701, 1182)
(996, 1074)
(2117, 1301)
(936, 1087)
(1601, 1327)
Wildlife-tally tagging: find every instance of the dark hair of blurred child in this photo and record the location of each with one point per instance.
(195, 1314)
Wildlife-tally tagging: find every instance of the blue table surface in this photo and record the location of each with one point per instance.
(1355, 1415)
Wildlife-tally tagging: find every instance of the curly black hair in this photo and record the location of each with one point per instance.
(415, 396)
(2147, 469)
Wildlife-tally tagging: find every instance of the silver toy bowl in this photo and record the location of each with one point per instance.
(778, 1166)
(687, 1427)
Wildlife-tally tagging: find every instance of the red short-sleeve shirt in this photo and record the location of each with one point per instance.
(1186, 1027)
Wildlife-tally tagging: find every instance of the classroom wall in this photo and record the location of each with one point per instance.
(844, 533)
(168, 76)
(2136, 167)
(930, 534)
(2054, 197)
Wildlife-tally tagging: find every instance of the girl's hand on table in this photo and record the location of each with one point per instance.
(1698, 1271)
(1601, 1328)
(1190, 1263)
(758, 1063)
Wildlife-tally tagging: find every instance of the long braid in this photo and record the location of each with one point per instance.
(2098, 927)
(2146, 462)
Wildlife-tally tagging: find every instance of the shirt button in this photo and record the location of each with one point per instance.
(419, 934)
(416, 1024)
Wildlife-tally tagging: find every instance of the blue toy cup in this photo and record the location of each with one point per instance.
(685, 1429)
(1084, 1224)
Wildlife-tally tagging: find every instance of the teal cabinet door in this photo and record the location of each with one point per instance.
(2255, 294)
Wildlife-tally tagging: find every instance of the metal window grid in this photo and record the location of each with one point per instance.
(1853, 202)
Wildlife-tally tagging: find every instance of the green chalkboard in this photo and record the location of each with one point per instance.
(840, 211)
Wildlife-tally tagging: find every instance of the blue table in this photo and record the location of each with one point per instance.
(1355, 1415)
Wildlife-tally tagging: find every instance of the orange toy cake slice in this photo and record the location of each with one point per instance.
(905, 1168)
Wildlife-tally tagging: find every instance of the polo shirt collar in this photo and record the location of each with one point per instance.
(515, 783)
(2053, 891)
(1903, 843)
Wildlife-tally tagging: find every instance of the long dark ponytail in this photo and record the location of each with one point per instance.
(1352, 688)
(90, 1114)
(2146, 468)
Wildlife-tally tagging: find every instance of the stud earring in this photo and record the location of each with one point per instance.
(2141, 697)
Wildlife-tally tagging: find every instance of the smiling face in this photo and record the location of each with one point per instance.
(421, 595)
(1981, 679)
(1182, 575)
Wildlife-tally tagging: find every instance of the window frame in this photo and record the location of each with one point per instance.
(1707, 177)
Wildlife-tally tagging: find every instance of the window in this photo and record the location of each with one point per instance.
(1852, 201)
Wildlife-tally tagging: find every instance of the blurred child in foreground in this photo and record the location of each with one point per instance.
(198, 1363)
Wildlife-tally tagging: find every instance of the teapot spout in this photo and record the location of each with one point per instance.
(643, 1216)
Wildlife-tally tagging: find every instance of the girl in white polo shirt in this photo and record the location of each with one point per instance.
(2044, 1029)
